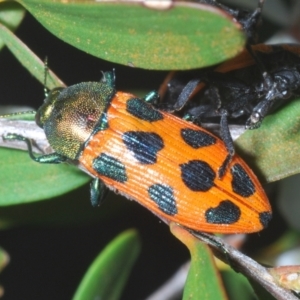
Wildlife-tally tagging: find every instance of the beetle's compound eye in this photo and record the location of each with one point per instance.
(45, 110)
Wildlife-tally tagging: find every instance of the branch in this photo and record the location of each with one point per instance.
(245, 265)
(27, 129)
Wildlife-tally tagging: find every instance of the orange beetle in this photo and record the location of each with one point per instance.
(168, 165)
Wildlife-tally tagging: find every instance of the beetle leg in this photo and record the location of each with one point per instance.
(98, 192)
(152, 97)
(274, 91)
(183, 97)
(186, 94)
(227, 139)
(195, 114)
(269, 87)
(215, 98)
(259, 112)
(52, 158)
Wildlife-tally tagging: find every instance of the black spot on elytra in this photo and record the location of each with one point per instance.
(163, 196)
(241, 182)
(142, 110)
(144, 145)
(225, 213)
(110, 167)
(265, 218)
(197, 138)
(197, 175)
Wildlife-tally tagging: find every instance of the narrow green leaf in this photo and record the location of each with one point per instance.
(236, 285)
(273, 149)
(186, 36)
(24, 180)
(24, 114)
(109, 272)
(203, 281)
(28, 59)
(11, 15)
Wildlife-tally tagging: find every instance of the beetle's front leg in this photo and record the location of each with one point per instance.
(98, 192)
(52, 158)
(258, 113)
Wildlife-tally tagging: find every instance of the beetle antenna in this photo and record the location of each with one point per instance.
(46, 72)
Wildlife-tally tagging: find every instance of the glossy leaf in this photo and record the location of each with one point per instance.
(11, 15)
(273, 149)
(26, 181)
(186, 36)
(203, 281)
(109, 272)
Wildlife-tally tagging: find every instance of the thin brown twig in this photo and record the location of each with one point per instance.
(245, 265)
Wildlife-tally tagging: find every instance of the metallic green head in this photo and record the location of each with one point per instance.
(69, 115)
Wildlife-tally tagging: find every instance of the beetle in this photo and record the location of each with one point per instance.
(169, 165)
(249, 85)
(239, 88)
